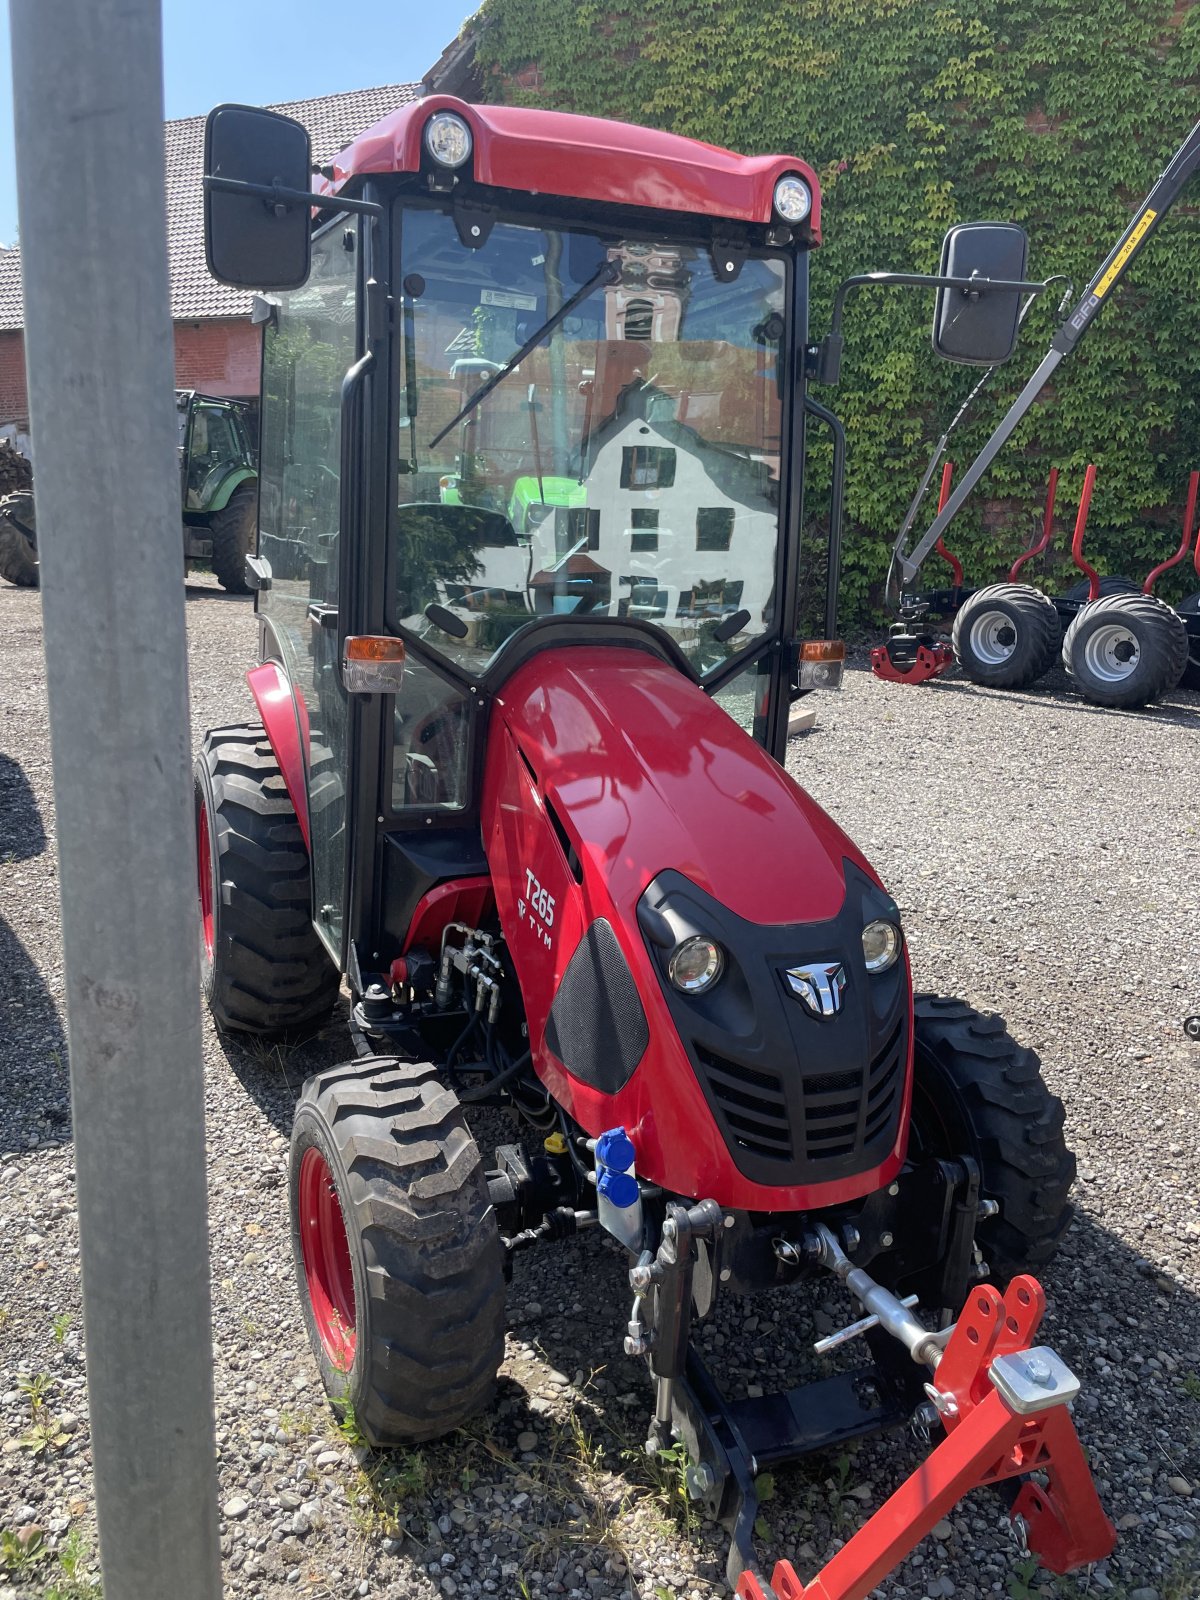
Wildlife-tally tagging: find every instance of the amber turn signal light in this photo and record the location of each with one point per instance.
(821, 663)
(372, 664)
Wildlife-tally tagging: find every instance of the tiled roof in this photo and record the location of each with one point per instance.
(332, 121)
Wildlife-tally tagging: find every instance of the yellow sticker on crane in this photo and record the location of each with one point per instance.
(1124, 253)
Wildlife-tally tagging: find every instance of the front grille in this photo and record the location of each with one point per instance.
(842, 1115)
(829, 1117)
(753, 1105)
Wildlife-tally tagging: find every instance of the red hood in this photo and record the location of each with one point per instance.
(649, 773)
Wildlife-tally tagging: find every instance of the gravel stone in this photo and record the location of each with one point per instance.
(235, 1508)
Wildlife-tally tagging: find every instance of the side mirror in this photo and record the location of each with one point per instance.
(979, 326)
(256, 240)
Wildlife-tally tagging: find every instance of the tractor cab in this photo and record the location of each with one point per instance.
(528, 585)
(496, 421)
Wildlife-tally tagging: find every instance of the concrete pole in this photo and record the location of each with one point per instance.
(88, 99)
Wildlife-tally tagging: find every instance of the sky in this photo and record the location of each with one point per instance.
(260, 52)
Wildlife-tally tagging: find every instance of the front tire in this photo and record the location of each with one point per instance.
(265, 971)
(232, 530)
(1006, 636)
(1125, 651)
(398, 1255)
(977, 1092)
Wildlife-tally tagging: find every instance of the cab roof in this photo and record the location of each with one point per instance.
(584, 158)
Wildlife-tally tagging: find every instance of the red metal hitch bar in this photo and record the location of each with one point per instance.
(1003, 1406)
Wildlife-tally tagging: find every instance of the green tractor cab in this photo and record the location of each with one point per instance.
(219, 485)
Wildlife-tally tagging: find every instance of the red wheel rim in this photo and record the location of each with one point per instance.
(326, 1253)
(204, 875)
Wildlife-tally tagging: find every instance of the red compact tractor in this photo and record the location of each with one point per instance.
(522, 789)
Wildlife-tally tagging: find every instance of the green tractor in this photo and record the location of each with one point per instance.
(218, 488)
(219, 485)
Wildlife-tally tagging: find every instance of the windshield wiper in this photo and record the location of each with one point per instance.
(607, 273)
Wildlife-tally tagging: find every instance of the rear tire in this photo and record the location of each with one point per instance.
(1125, 651)
(398, 1256)
(18, 552)
(232, 530)
(977, 1092)
(1006, 636)
(265, 970)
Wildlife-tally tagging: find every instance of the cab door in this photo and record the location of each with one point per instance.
(310, 344)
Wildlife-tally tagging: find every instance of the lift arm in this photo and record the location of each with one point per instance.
(1110, 272)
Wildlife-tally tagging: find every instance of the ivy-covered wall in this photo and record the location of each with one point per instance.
(1052, 113)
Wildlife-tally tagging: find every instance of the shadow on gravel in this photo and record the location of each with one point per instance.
(272, 1072)
(204, 591)
(22, 834)
(1181, 710)
(34, 1080)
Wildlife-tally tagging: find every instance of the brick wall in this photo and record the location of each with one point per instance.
(13, 405)
(218, 357)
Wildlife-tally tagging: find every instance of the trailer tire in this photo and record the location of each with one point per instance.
(264, 969)
(397, 1252)
(977, 1092)
(232, 530)
(1079, 592)
(1125, 651)
(1191, 673)
(1006, 636)
(18, 552)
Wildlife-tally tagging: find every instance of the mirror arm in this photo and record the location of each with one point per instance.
(828, 368)
(278, 197)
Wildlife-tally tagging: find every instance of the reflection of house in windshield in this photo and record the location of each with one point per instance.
(685, 528)
(663, 525)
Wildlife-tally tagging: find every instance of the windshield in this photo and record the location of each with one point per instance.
(628, 466)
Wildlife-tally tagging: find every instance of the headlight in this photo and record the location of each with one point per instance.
(793, 199)
(881, 945)
(695, 965)
(536, 514)
(448, 139)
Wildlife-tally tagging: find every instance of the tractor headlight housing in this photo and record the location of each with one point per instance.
(695, 965)
(792, 199)
(448, 139)
(881, 943)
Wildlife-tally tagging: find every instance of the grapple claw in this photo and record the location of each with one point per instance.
(915, 664)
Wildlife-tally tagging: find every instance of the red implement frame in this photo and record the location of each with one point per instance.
(1081, 518)
(1047, 528)
(1189, 527)
(986, 1442)
(940, 546)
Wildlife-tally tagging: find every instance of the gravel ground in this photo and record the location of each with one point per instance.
(1039, 850)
